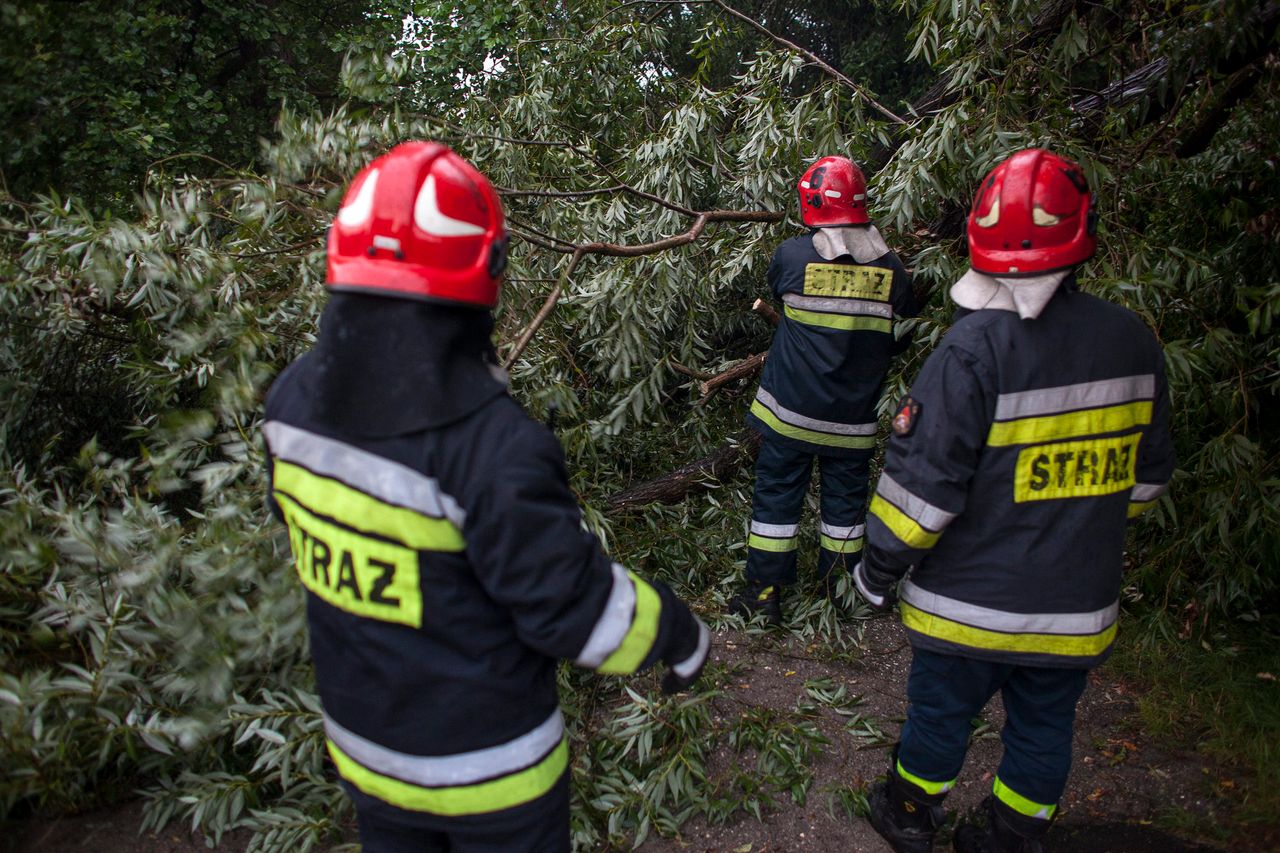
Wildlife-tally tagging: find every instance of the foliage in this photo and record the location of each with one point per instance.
(92, 94)
(150, 629)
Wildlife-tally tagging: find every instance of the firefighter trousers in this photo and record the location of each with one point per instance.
(782, 479)
(946, 692)
(540, 826)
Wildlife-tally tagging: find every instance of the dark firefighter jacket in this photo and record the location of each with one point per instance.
(445, 563)
(1028, 444)
(832, 349)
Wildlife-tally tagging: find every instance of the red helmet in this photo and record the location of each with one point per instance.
(833, 192)
(1031, 216)
(420, 222)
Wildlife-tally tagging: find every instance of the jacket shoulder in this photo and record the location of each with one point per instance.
(970, 336)
(796, 249)
(499, 438)
(1122, 317)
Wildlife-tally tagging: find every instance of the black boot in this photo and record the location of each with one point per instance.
(904, 815)
(828, 586)
(1000, 829)
(759, 597)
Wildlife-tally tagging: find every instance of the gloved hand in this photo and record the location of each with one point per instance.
(880, 590)
(685, 662)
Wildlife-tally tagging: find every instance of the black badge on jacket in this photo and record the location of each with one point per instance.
(904, 422)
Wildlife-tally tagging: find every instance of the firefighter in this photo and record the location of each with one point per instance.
(432, 525)
(1034, 431)
(841, 289)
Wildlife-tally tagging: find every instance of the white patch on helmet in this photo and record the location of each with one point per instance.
(428, 216)
(992, 217)
(859, 196)
(1040, 216)
(804, 184)
(359, 211)
(831, 193)
(391, 244)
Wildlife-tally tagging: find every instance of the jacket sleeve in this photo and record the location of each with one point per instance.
(928, 464)
(531, 554)
(1156, 459)
(774, 274)
(902, 294)
(903, 298)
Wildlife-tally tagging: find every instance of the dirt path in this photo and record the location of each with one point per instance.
(1121, 786)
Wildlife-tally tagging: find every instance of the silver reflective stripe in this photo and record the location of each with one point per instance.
(1069, 398)
(797, 419)
(1143, 492)
(463, 768)
(1012, 623)
(614, 622)
(834, 532)
(689, 665)
(775, 531)
(860, 307)
(916, 508)
(367, 472)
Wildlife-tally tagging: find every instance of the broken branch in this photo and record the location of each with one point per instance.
(675, 486)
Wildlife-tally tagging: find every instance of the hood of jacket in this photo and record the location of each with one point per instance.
(384, 366)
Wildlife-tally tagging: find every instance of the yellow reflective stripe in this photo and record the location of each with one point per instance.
(1064, 645)
(1021, 804)
(844, 322)
(1076, 469)
(924, 784)
(495, 795)
(767, 543)
(359, 574)
(638, 642)
(841, 546)
(902, 525)
(366, 513)
(812, 436)
(1137, 508)
(1069, 425)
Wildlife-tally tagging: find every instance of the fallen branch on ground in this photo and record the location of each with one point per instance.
(675, 486)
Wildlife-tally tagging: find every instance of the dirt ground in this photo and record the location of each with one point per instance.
(1120, 785)
(1122, 789)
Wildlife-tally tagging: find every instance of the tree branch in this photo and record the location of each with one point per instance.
(857, 89)
(739, 370)
(617, 250)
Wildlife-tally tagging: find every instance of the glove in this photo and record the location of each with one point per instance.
(684, 668)
(879, 601)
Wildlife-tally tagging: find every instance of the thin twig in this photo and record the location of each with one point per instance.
(544, 312)
(508, 191)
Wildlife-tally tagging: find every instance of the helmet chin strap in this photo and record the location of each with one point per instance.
(1026, 296)
(862, 242)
